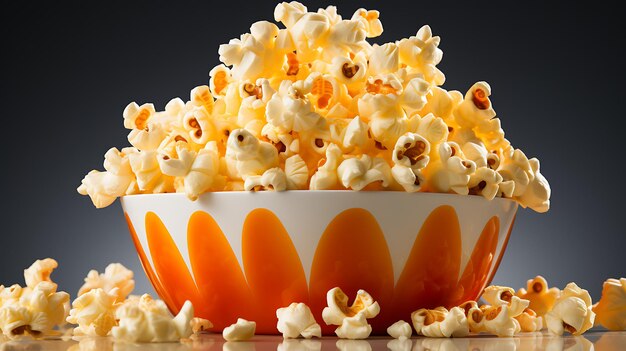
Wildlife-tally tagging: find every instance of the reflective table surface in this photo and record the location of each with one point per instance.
(592, 340)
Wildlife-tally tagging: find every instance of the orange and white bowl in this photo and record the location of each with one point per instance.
(245, 254)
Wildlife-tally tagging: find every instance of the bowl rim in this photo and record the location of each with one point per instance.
(468, 197)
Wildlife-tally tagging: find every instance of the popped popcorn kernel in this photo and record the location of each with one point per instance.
(529, 321)
(297, 320)
(147, 320)
(115, 276)
(352, 320)
(94, 312)
(39, 271)
(199, 325)
(611, 309)
(572, 312)
(440, 323)
(400, 330)
(241, 331)
(318, 107)
(541, 297)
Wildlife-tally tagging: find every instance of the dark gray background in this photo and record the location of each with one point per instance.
(69, 71)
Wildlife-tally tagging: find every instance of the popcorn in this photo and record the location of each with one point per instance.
(94, 312)
(440, 323)
(541, 297)
(352, 320)
(451, 173)
(475, 316)
(148, 320)
(501, 295)
(317, 108)
(289, 109)
(370, 21)
(400, 330)
(137, 117)
(516, 167)
(35, 312)
(146, 167)
(241, 331)
(354, 328)
(537, 194)
(247, 156)
(434, 129)
(220, 78)
(39, 271)
(422, 53)
(118, 180)
(529, 321)
(296, 173)
(485, 182)
(272, 179)
(410, 156)
(611, 309)
(572, 312)
(326, 176)
(476, 106)
(296, 320)
(115, 279)
(357, 173)
(199, 325)
(500, 320)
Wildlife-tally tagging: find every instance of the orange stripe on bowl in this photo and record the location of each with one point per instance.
(147, 268)
(501, 254)
(474, 278)
(225, 293)
(352, 254)
(430, 274)
(272, 265)
(169, 264)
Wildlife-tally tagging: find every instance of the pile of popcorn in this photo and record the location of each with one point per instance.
(315, 106)
(104, 307)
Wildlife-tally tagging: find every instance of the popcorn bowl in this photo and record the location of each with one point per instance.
(245, 254)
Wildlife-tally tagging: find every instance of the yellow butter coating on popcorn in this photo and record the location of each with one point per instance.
(572, 312)
(541, 297)
(440, 323)
(611, 309)
(311, 86)
(94, 312)
(115, 276)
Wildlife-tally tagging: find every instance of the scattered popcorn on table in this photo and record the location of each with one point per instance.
(314, 106)
(35, 310)
(115, 276)
(400, 330)
(297, 319)
(94, 312)
(352, 320)
(501, 295)
(440, 323)
(611, 309)
(529, 321)
(541, 297)
(199, 325)
(241, 331)
(572, 312)
(39, 271)
(148, 320)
